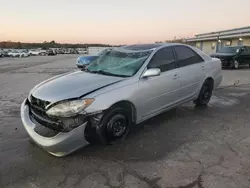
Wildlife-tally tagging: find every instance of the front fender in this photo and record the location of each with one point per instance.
(106, 99)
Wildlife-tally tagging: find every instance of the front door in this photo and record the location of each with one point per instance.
(159, 92)
(244, 57)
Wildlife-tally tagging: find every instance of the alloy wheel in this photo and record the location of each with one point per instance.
(236, 64)
(206, 93)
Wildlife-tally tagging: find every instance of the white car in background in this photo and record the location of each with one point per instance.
(34, 52)
(18, 53)
(37, 52)
(1, 53)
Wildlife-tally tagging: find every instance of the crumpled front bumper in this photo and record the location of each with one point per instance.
(59, 145)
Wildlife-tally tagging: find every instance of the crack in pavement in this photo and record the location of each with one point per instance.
(127, 170)
(197, 182)
(233, 150)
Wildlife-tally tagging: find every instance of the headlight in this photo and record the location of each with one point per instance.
(69, 108)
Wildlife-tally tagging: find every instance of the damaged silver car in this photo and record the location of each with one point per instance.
(121, 88)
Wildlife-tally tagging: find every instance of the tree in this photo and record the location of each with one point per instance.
(19, 45)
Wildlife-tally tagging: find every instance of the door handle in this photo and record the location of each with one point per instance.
(202, 68)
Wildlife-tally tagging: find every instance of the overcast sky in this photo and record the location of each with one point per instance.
(117, 21)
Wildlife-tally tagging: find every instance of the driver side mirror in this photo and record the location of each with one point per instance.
(152, 72)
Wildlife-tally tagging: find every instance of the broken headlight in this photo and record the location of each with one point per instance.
(69, 108)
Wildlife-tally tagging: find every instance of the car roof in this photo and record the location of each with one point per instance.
(145, 47)
(142, 47)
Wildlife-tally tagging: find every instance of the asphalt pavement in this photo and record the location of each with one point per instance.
(187, 147)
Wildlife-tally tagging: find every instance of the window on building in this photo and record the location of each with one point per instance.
(198, 45)
(227, 43)
(240, 42)
(213, 45)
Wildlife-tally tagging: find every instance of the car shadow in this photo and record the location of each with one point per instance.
(242, 67)
(153, 139)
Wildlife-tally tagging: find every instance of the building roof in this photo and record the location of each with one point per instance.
(224, 34)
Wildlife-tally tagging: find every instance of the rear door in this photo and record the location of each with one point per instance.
(159, 92)
(191, 71)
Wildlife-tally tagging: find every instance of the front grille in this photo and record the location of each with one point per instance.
(38, 106)
(38, 102)
(38, 113)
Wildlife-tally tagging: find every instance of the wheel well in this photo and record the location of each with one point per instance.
(210, 79)
(129, 106)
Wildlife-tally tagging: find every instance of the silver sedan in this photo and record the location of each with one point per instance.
(124, 87)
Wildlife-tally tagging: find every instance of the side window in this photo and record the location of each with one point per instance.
(186, 56)
(163, 59)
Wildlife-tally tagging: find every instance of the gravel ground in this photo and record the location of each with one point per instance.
(183, 148)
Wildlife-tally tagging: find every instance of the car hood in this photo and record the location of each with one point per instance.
(73, 85)
(87, 57)
(222, 54)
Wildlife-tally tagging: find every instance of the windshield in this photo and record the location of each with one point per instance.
(229, 49)
(116, 63)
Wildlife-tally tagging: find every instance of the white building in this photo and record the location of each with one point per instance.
(95, 50)
(211, 42)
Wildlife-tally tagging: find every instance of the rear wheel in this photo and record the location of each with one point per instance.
(205, 93)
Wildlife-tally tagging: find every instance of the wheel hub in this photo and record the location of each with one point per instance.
(236, 64)
(117, 125)
(206, 93)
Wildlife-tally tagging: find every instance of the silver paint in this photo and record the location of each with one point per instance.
(150, 96)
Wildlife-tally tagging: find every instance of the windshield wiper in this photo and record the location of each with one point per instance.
(106, 73)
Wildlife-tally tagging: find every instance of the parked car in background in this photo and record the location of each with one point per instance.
(43, 52)
(37, 52)
(73, 51)
(1, 53)
(18, 53)
(14, 53)
(60, 51)
(34, 52)
(51, 52)
(85, 60)
(5, 53)
(233, 56)
(121, 88)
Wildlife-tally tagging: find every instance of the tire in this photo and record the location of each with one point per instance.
(115, 125)
(235, 64)
(205, 93)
